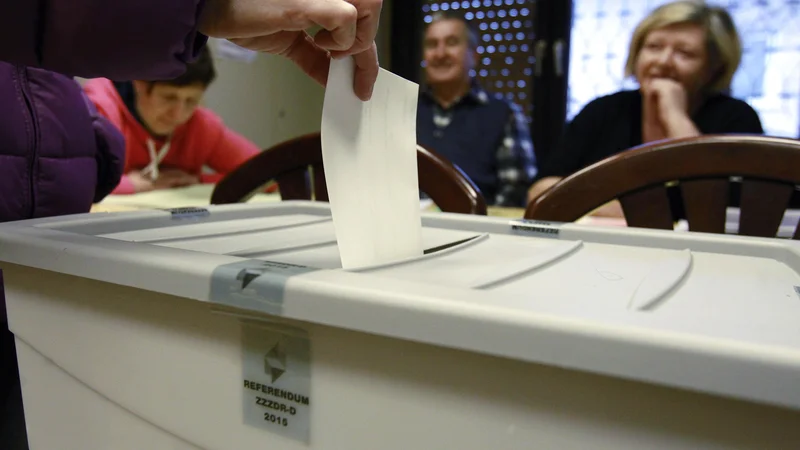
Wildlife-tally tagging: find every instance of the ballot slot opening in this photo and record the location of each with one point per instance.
(481, 262)
(322, 250)
(259, 252)
(440, 248)
(432, 252)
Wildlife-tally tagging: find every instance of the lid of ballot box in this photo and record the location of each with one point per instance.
(712, 313)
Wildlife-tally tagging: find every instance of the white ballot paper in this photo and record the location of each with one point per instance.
(370, 157)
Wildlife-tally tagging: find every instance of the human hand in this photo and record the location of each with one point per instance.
(652, 129)
(172, 178)
(669, 95)
(364, 51)
(666, 111)
(141, 183)
(278, 27)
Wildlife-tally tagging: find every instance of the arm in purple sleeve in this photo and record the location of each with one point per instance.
(120, 39)
(110, 157)
(109, 152)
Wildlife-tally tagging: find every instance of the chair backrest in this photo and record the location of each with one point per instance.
(295, 163)
(291, 163)
(701, 168)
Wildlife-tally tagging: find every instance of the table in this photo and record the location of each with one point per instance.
(505, 211)
(196, 195)
(200, 195)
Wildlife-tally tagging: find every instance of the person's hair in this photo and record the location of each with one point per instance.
(472, 34)
(201, 71)
(723, 45)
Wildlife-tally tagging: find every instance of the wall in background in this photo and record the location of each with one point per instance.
(384, 38)
(270, 100)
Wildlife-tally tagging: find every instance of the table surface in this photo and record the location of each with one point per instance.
(196, 195)
(200, 195)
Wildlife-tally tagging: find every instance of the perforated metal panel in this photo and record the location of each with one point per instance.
(505, 34)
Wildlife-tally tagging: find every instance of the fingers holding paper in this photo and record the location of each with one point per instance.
(368, 14)
(261, 18)
(366, 72)
(278, 27)
(363, 50)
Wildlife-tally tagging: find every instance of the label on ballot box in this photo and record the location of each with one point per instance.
(189, 212)
(276, 379)
(539, 228)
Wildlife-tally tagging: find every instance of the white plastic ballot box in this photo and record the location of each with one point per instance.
(234, 327)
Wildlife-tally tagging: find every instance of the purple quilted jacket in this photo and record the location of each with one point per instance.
(57, 155)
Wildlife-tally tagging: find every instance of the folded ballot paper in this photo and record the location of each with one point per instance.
(370, 158)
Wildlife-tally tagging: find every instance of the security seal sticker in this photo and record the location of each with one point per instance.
(254, 284)
(538, 228)
(276, 379)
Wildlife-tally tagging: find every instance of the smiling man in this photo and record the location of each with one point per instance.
(169, 138)
(485, 136)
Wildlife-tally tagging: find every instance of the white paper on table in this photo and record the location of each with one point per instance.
(369, 151)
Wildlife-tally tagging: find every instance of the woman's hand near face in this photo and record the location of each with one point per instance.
(670, 97)
(666, 111)
(652, 129)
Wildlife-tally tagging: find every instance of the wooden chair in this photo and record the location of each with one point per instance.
(297, 167)
(702, 167)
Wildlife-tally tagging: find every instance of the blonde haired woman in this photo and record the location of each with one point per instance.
(684, 55)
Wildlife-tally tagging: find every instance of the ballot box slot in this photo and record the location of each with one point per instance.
(482, 262)
(320, 250)
(440, 248)
(262, 253)
(433, 252)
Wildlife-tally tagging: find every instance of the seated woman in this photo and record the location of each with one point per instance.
(684, 56)
(169, 138)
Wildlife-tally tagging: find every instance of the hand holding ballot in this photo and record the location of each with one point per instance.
(278, 27)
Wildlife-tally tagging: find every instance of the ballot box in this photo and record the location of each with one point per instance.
(234, 327)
